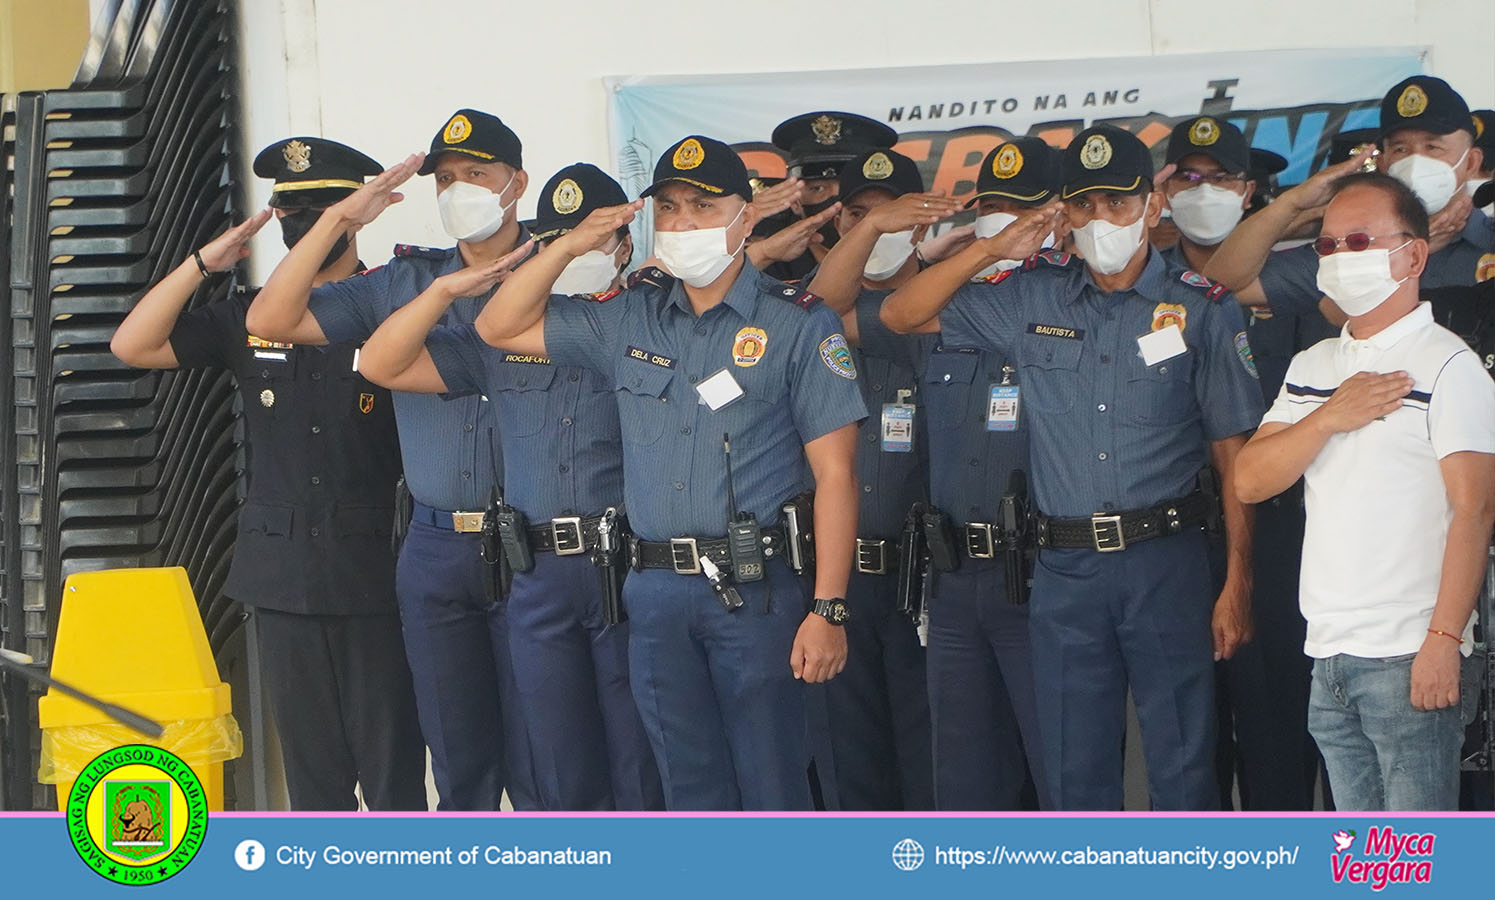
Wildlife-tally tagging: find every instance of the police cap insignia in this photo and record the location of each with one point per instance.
(689, 155)
(1412, 102)
(567, 197)
(1008, 162)
(877, 167)
(1204, 132)
(827, 129)
(457, 130)
(297, 156)
(1096, 152)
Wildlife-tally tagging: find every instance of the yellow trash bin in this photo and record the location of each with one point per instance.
(134, 637)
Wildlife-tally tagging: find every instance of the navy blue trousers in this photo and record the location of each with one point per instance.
(457, 643)
(588, 744)
(981, 693)
(1101, 621)
(877, 709)
(723, 711)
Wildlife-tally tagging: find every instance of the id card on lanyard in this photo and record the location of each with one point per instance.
(898, 424)
(1003, 403)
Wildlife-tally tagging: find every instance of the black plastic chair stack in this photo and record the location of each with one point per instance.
(116, 181)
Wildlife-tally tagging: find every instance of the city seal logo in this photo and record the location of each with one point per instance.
(457, 130)
(1204, 132)
(748, 347)
(1096, 152)
(297, 156)
(827, 130)
(689, 155)
(1008, 162)
(877, 167)
(567, 197)
(137, 814)
(837, 357)
(1412, 103)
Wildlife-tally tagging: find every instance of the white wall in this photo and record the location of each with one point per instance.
(383, 75)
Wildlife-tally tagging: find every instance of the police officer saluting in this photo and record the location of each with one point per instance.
(558, 426)
(456, 633)
(719, 372)
(312, 559)
(1133, 375)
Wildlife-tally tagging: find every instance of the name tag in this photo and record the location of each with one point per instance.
(1160, 345)
(653, 359)
(1002, 406)
(719, 390)
(275, 355)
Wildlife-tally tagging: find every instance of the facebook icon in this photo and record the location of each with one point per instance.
(250, 855)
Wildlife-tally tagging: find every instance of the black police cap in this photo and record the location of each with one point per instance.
(704, 163)
(1347, 143)
(1427, 104)
(570, 196)
(1106, 158)
(1217, 139)
(820, 143)
(1484, 134)
(886, 170)
(312, 171)
(1025, 169)
(482, 136)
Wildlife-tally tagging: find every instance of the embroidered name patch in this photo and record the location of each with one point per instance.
(1056, 331)
(525, 358)
(653, 359)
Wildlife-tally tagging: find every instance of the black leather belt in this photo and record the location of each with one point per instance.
(1109, 532)
(983, 539)
(565, 536)
(683, 555)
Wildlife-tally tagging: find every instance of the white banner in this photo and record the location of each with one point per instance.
(1291, 102)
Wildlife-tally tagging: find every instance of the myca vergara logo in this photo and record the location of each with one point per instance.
(1386, 858)
(137, 814)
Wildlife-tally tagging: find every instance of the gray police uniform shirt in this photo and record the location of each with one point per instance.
(557, 425)
(890, 481)
(1455, 264)
(449, 459)
(781, 347)
(1108, 431)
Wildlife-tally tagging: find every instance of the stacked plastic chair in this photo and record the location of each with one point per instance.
(116, 181)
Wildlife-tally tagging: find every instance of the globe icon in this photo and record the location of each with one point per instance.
(908, 854)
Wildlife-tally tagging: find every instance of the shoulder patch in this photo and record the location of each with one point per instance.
(1056, 257)
(411, 250)
(650, 275)
(605, 296)
(1243, 351)
(802, 299)
(837, 357)
(997, 277)
(1194, 279)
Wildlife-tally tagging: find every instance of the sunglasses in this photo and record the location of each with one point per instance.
(1325, 245)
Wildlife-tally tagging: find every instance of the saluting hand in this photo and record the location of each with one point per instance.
(475, 281)
(1315, 191)
(225, 251)
(597, 228)
(911, 211)
(1363, 398)
(948, 244)
(1024, 237)
(791, 241)
(784, 195)
(378, 194)
(819, 652)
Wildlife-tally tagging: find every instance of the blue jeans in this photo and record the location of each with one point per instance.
(1381, 754)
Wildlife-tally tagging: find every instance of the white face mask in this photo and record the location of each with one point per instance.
(1108, 248)
(1432, 180)
(696, 257)
(889, 254)
(1358, 280)
(588, 273)
(1206, 214)
(471, 212)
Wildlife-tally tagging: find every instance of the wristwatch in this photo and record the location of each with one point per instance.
(834, 609)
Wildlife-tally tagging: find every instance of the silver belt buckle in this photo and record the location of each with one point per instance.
(565, 532)
(685, 549)
(979, 541)
(872, 557)
(1106, 532)
(467, 522)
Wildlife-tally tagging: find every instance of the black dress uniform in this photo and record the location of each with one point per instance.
(314, 562)
(313, 558)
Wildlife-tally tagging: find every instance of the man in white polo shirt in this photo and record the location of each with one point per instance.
(1392, 424)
